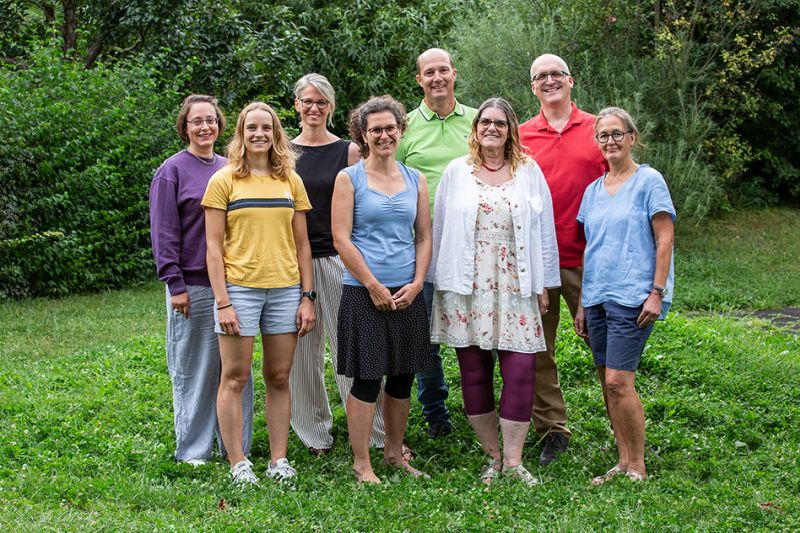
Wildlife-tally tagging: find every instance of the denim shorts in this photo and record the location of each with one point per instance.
(617, 342)
(274, 310)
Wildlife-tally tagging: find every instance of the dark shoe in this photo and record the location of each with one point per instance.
(440, 430)
(554, 445)
(319, 452)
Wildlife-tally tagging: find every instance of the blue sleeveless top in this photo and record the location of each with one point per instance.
(383, 227)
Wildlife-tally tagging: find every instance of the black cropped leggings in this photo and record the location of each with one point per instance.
(367, 390)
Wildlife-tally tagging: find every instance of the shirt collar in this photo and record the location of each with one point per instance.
(575, 118)
(429, 115)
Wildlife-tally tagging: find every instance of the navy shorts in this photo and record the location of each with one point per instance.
(617, 342)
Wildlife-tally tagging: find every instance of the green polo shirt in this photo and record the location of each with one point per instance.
(430, 143)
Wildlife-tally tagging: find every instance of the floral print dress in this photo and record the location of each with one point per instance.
(495, 315)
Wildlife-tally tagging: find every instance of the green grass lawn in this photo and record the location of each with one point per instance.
(745, 260)
(86, 425)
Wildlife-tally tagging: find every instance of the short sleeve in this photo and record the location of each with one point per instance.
(658, 197)
(218, 190)
(584, 205)
(301, 201)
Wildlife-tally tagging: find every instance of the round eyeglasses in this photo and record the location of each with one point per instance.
(616, 135)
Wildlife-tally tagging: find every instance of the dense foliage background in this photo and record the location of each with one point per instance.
(89, 89)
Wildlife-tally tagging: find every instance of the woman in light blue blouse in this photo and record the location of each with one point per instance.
(628, 219)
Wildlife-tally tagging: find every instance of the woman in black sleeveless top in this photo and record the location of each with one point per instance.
(322, 156)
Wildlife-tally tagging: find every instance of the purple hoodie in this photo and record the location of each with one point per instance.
(177, 220)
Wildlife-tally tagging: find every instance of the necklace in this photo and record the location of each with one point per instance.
(490, 169)
(203, 160)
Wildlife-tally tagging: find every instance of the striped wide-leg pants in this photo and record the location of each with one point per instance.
(311, 412)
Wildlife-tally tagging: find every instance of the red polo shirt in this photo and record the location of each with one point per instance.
(570, 161)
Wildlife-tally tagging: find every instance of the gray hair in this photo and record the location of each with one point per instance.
(320, 83)
(626, 119)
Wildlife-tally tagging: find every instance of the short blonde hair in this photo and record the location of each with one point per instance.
(281, 157)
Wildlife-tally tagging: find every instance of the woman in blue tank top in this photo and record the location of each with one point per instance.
(382, 231)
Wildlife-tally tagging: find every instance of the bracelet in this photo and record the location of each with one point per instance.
(224, 307)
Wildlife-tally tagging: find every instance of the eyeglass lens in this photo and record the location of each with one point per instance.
(200, 121)
(486, 122)
(307, 103)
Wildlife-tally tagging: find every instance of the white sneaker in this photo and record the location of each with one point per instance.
(195, 462)
(242, 473)
(281, 471)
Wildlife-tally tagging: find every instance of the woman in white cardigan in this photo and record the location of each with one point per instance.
(494, 253)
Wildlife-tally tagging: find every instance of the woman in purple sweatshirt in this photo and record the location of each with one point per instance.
(177, 232)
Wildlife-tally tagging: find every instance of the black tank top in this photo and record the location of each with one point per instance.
(318, 166)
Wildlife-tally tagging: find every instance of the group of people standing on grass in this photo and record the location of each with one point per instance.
(447, 225)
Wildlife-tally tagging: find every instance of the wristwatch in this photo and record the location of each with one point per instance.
(662, 291)
(311, 295)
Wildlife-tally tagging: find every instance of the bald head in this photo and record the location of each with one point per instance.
(433, 54)
(547, 59)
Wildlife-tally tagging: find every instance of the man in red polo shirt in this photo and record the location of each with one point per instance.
(561, 140)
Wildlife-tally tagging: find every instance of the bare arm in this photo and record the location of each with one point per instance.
(215, 238)
(664, 232)
(353, 154)
(305, 318)
(423, 246)
(342, 205)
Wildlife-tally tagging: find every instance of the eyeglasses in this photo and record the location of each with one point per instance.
(500, 124)
(557, 75)
(617, 135)
(377, 132)
(200, 121)
(308, 102)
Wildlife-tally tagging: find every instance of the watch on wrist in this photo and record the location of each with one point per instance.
(662, 291)
(311, 295)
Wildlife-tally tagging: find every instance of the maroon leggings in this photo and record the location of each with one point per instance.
(477, 382)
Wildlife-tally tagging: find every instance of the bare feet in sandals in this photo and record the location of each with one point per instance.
(408, 453)
(605, 478)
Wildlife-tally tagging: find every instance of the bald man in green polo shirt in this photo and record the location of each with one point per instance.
(436, 133)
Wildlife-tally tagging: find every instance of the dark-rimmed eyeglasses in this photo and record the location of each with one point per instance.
(616, 135)
(308, 102)
(197, 121)
(557, 75)
(377, 132)
(500, 124)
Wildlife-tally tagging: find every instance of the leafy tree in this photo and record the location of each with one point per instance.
(694, 74)
(78, 150)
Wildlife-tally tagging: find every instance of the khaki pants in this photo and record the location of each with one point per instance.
(549, 411)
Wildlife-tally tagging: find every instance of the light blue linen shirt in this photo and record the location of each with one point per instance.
(383, 227)
(620, 257)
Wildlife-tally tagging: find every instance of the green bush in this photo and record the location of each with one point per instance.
(657, 91)
(79, 149)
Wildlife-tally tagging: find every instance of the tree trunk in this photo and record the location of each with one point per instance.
(70, 27)
(94, 50)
